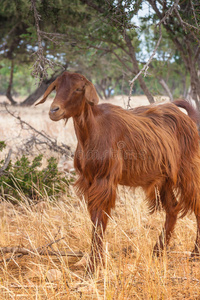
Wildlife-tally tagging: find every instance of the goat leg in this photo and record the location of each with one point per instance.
(96, 254)
(99, 219)
(169, 202)
(166, 233)
(196, 251)
(100, 199)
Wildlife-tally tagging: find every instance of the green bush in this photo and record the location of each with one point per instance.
(2, 145)
(28, 178)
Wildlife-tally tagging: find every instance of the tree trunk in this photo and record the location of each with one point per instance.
(185, 90)
(145, 89)
(136, 68)
(98, 88)
(195, 87)
(166, 88)
(31, 99)
(188, 52)
(8, 92)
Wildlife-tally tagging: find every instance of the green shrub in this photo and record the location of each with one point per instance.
(2, 145)
(28, 178)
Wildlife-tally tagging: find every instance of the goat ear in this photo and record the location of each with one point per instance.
(50, 88)
(91, 94)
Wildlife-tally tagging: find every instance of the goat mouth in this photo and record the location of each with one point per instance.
(56, 117)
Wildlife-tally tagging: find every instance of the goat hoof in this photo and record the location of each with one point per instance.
(157, 250)
(157, 253)
(195, 255)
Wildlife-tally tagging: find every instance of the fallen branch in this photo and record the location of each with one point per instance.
(40, 138)
(25, 251)
(21, 251)
(18, 252)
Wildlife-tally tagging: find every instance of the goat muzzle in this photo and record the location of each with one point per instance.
(56, 113)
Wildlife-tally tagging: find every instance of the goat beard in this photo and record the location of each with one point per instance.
(65, 120)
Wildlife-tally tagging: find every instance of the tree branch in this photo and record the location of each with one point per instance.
(8, 92)
(42, 64)
(25, 251)
(21, 251)
(166, 88)
(6, 163)
(170, 31)
(184, 24)
(51, 143)
(146, 66)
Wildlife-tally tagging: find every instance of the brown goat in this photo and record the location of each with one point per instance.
(155, 147)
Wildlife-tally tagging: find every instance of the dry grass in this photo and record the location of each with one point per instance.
(130, 272)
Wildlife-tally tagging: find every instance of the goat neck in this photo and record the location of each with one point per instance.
(85, 123)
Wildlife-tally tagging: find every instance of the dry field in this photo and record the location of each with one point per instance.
(130, 272)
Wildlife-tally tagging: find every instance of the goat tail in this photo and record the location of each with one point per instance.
(192, 112)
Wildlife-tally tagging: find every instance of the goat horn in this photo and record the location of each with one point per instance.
(50, 88)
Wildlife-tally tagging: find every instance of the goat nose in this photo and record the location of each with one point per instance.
(54, 109)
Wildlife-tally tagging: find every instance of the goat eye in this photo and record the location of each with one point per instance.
(78, 90)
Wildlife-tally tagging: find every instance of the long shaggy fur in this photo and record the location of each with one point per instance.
(180, 151)
(155, 147)
(145, 147)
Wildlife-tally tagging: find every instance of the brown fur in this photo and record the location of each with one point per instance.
(155, 147)
(192, 113)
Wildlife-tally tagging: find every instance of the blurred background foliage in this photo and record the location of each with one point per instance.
(108, 41)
